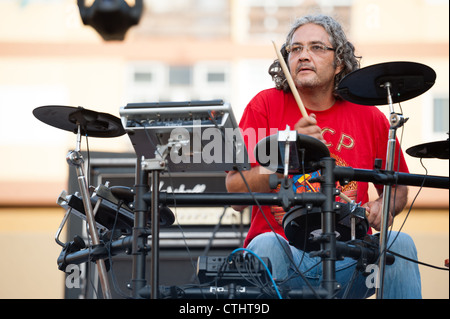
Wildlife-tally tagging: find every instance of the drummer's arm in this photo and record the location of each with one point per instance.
(399, 198)
(257, 178)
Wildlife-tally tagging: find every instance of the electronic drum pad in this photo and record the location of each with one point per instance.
(301, 225)
(366, 86)
(68, 118)
(304, 154)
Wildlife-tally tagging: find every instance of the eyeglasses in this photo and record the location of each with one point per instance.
(313, 48)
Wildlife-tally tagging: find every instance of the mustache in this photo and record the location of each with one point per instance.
(304, 66)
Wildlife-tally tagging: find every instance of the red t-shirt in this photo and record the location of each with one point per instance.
(356, 135)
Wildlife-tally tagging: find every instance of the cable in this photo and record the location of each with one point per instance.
(409, 211)
(260, 210)
(108, 249)
(412, 203)
(264, 265)
(417, 261)
(214, 231)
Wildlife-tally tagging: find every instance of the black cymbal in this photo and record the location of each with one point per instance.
(430, 150)
(366, 86)
(304, 154)
(93, 124)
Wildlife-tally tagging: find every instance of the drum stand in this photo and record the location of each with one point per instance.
(327, 239)
(396, 121)
(74, 158)
(140, 232)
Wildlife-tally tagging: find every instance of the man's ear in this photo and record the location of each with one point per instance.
(339, 68)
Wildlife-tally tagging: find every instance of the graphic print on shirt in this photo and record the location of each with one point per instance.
(351, 188)
(302, 184)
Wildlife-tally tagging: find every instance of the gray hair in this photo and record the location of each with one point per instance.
(344, 50)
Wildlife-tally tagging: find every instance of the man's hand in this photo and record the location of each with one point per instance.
(308, 126)
(399, 198)
(257, 179)
(373, 213)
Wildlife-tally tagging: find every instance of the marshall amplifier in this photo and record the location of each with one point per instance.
(197, 231)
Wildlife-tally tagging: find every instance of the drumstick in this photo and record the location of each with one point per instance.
(345, 197)
(349, 200)
(290, 81)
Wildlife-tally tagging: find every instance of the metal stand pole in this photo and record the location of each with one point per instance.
(154, 279)
(328, 228)
(396, 121)
(140, 233)
(74, 158)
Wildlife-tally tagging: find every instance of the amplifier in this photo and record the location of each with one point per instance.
(197, 231)
(120, 171)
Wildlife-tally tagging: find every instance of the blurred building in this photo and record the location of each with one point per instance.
(182, 50)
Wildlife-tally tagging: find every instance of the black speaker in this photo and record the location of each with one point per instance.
(197, 231)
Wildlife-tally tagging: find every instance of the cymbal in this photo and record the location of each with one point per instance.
(366, 86)
(307, 152)
(430, 150)
(68, 118)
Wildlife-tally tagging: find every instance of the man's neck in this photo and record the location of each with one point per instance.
(317, 101)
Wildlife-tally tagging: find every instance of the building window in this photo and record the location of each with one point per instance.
(216, 77)
(143, 77)
(180, 75)
(272, 19)
(212, 80)
(153, 82)
(440, 115)
(145, 80)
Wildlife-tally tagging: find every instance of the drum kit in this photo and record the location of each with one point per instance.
(380, 84)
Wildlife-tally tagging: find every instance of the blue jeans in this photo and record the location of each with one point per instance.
(401, 281)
